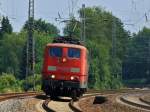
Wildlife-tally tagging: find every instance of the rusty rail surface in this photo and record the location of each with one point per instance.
(45, 105)
(7, 96)
(134, 104)
(113, 91)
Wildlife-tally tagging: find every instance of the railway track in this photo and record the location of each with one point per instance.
(58, 105)
(117, 91)
(135, 101)
(73, 105)
(7, 96)
(46, 107)
(145, 99)
(91, 93)
(70, 105)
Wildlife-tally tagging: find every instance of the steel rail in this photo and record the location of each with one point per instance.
(91, 93)
(142, 99)
(46, 107)
(132, 103)
(76, 109)
(7, 96)
(104, 93)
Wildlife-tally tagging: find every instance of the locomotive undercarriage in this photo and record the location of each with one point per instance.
(55, 88)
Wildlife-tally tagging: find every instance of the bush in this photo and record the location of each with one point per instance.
(28, 85)
(8, 83)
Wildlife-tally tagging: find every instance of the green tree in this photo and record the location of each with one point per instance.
(41, 41)
(5, 27)
(10, 50)
(137, 61)
(42, 26)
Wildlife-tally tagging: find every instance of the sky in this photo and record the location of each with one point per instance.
(135, 14)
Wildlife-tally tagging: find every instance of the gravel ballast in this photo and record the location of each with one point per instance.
(16, 105)
(109, 106)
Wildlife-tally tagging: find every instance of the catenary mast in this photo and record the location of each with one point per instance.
(30, 50)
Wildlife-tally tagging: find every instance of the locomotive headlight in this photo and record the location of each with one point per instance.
(72, 78)
(75, 70)
(52, 76)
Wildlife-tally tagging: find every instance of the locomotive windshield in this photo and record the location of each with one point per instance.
(73, 53)
(56, 51)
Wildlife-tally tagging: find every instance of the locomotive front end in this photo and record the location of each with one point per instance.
(64, 70)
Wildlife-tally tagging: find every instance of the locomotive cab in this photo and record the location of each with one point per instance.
(65, 70)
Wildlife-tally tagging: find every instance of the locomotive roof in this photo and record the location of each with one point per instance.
(66, 45)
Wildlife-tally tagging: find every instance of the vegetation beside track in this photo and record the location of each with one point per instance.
(9, 84)
(105, 71)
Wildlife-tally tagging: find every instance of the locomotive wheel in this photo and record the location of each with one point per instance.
(46, 93)
(74, 95)
(53, 95)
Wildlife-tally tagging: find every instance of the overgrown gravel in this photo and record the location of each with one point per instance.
(15, 105)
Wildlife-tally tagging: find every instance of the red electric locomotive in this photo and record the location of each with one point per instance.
(65, 68)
